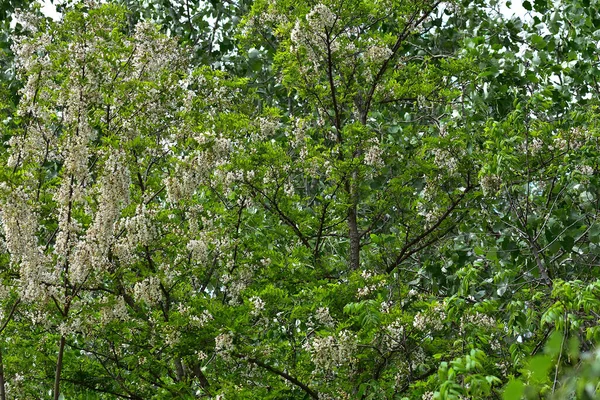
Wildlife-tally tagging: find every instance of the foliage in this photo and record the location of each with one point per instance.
(362, 200)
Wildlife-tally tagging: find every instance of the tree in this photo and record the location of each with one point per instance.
(96, 109)
(384, 204)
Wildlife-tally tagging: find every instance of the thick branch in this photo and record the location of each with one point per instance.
(406, 250)
(282, 374)
(411, 24)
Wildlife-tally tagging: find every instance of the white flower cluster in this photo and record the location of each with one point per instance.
(323, 317)
(299, 134)
(75, 151)
(373, 154)
(139, 227)
(20, 223)
(267, 127)
(585, 170)
(321, 18)
(478, 319)
(197, 168)
(71, 326)
(202, 319)
(427, 396)
(28, 20)
(224, 343)
(536, 145)
(27, 51)
(559, 144)
(490, 184)
(417, 357)
(386, 306)
(92, 251)
(394, 335)
(199, 249)
(367, 289)
(201, 355)
(330, 352)
(114, 312)
(315, 38)
(378, 54)
(237, 283)
(579, 137)
(76, 148)
(444, 160)
(153, 52)
(431, 319)
(172, 337)
(148, 290)
(258, 305)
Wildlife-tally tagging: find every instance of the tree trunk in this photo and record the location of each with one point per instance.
(353, 235)
(2, 388)
(59, 362)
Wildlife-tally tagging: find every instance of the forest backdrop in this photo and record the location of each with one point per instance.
(350, 199)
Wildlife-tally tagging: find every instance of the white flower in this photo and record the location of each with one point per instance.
(373, 154)
(445, 160)
(394, 334)
(199, 250)
(320, 18)
(148, 290)
(267, 128)
(224, 343)
(323, 316)
(430, 319)
(332, 351)
(258, 305)
(139, 227)
(378, 54)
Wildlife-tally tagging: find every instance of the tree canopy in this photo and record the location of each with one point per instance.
(350, 199)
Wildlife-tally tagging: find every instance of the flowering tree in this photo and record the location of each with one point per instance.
(359, 213)
(83, 177)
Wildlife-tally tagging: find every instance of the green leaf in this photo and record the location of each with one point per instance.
(554, 345)
(538, 41)
(539, 366)
(594, 232)
(513, 390)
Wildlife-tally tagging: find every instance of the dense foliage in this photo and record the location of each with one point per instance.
(352, 199)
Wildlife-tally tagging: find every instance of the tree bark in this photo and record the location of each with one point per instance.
(2, 388)
(59, 362)
(353, 234)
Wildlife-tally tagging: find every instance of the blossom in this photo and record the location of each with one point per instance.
(378, 54)
(20, 224)
(445, 160)
(373, 154)
(267, 127)
(199, 249)
(139, 227)
(202, 319)
(258, 305)
(394, 334)
(224, 343)
(315, 38)
(114, 195)
(333, 351)
(490, 184)
(320, 17)
(324, 318)
(430, 319)
(115, 311)
(148, 290)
